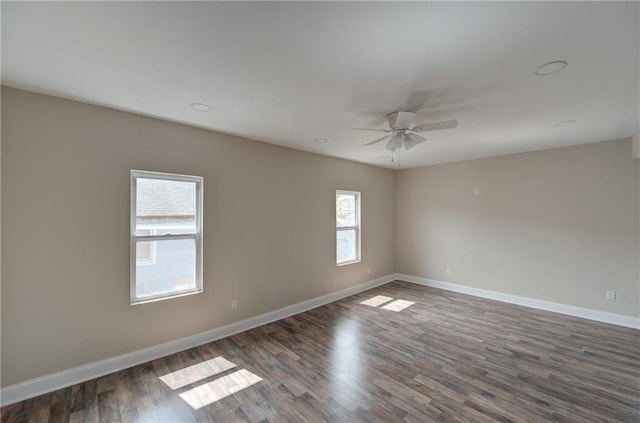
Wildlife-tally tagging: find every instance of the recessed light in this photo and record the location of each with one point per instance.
(564, 123)
(321, 140)
(201, 107)
(551, 67)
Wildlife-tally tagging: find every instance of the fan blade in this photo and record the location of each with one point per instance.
(447, 124)
(378, 140)
(372, 129)
(400, 119)
(375, 119)
(416, 101)
(395, 142)
(412, 140)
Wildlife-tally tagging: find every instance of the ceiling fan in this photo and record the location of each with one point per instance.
(400, 132)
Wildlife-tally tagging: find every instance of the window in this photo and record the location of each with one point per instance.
(166, 235)
(347, 227)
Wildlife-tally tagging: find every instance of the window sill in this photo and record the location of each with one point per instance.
(165, 297)
(344, 263)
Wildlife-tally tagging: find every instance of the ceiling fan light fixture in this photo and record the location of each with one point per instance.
(401, 133)
(551, 67)
(396, 141)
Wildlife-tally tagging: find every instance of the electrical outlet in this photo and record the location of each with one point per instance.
(476, 191)
(368, 269)
(611, 294)
(234, 304)
(448, 270)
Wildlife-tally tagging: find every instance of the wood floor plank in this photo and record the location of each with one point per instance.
(447, 357)
(108, 407)
(41, 410)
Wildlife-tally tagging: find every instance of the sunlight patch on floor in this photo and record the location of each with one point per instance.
(208, 393)
(220, 388)
(376, 301)
(398, 305)
(197, 372)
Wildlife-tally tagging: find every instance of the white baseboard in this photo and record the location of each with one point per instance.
(585, 313)
(42, 385)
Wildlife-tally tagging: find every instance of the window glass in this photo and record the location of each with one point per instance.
(165, 205)
(346, 245)
(173, 270)
(345, 210)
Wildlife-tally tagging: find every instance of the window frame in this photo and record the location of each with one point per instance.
(357, 206)
(196, 236)
(152, 252)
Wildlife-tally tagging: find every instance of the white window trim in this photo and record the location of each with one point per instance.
(196, 236)
(357, 228)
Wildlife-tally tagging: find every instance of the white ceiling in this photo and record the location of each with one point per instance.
(290, 72)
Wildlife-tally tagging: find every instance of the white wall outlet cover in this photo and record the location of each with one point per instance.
(611, 294)
(476, 191)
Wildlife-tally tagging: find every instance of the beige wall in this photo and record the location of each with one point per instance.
(269, 221)
(557, 225)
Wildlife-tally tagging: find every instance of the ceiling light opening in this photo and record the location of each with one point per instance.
(551, 67)
(201, 107)
(321, 140)
(565, 123)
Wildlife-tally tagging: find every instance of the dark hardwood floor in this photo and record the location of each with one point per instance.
(448, 357)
